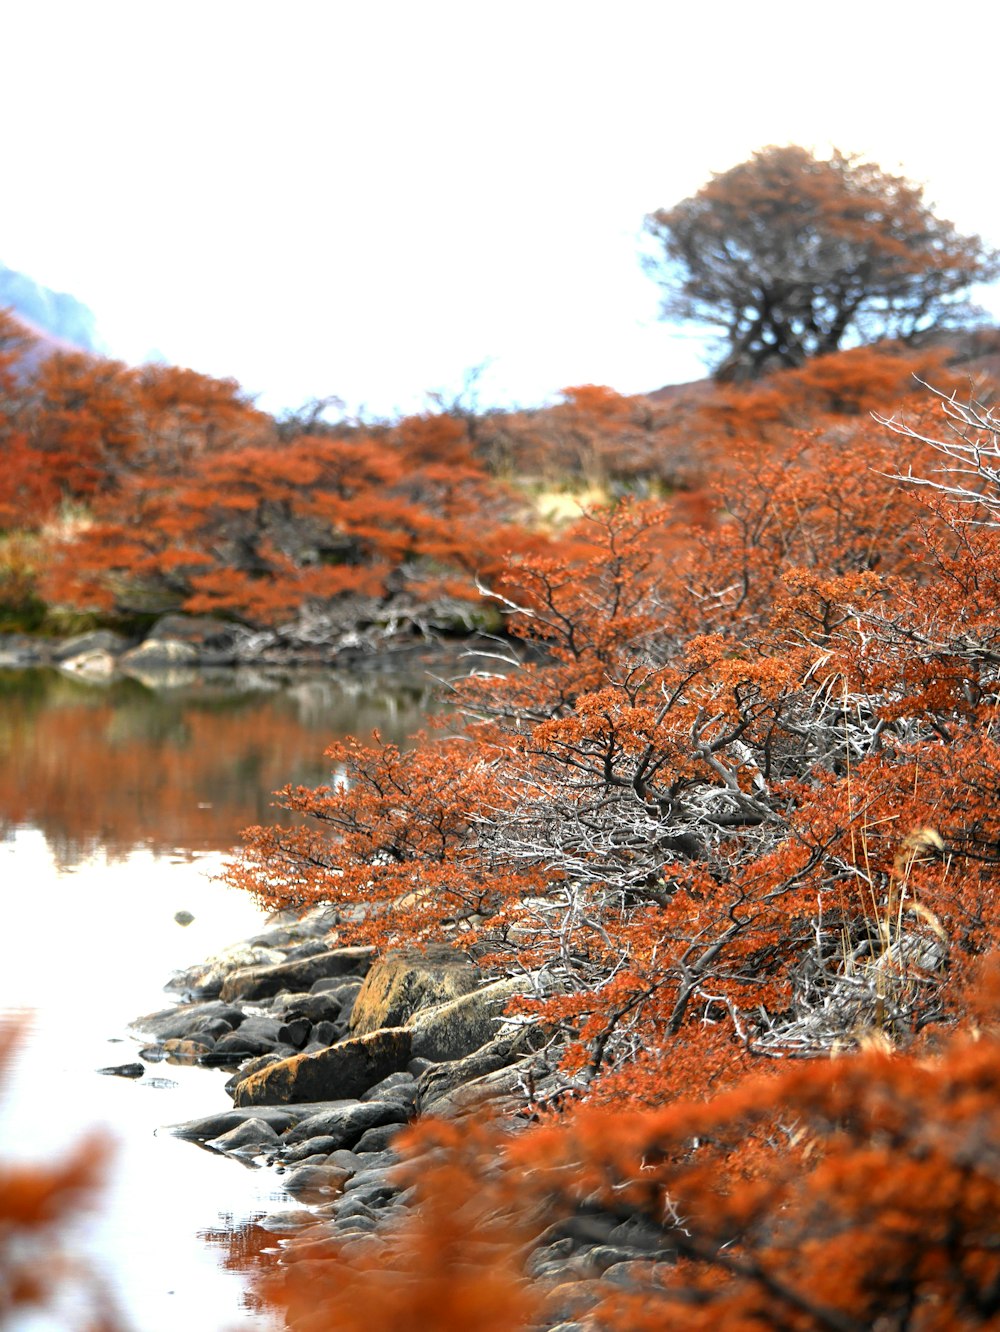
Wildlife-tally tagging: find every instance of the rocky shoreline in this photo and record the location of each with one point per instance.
(332, 1051)
(194, 643)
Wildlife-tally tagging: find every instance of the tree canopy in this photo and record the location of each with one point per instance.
(792, 256)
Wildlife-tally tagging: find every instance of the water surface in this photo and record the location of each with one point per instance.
(118, 805)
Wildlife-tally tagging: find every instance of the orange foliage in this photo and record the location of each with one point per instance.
(36, 1202)
(832, 1196)
(260, 533)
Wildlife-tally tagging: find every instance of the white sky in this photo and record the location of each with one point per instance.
(367, 198)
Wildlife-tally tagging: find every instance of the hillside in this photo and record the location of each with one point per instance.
(56, 319)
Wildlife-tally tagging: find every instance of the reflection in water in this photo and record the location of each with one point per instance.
(114, 766)
(116, 800)
(244, 1247)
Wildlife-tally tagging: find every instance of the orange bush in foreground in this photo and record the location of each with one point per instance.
(848, 1194)
(36, 1202)
(739, 811)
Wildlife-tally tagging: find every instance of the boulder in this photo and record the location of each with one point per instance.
(321, 1146)
(249, 1138)
(263, 982)
(396, 1087)
(439, 1081)
(506, 1090)
(185, 1020)
(20, 650)
(280, 1118)
(455, 1029)
(206, 979)
(202, 630)
(296, 1032)
(343, 1070)
(312, 1007)
(345, 1124)
(345, 990)
(252, 1066)
(210, 1127)
(315, 1183)
(97, 640)
(185, 1051)
(401, 983)
(254, 1036)
(377, 1138)
(94, 665)
(158, 652)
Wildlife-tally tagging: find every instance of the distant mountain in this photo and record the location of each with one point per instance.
(56, 316)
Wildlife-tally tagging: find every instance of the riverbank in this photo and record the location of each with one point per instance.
(178, 643)
(333, 1052)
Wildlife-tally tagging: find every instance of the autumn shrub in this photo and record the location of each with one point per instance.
(38, 1203)
(278, 535)
(833, 1195)
(687, 812)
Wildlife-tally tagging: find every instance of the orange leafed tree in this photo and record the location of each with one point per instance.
(37, 1202)
(792, 256)
(261, 533)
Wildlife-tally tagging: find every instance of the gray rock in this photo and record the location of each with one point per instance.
(295, 1033)
(260, 982)
(183, 917)
(263, 1030)
(396, 1087)
(310, 1159)
(438, 1081)
(19, 650)
(323, 1145)
(249, 1067)
(189, 1051)
(97, 640)
(346, 1159)
(199, 630)
(307, 948)
(344, 990)
(344, 1070)
(379, 1138)
(346, 1123)
(505, 1090)
(312, 1007)
(630, 1273)
(571, 1299)
(211, 1026)
(187, 1020)
(315, 1183)
(214, 1126)
(93, 665)
(641, 1236)
(354, 1209)
(291, 1221)
(453, 1030)
(124, 1070)
(206, 979)
(251, 1137)
(604, 1256)
(157, 652)
(401, 983)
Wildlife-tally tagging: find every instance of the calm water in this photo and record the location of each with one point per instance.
(118, 803)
